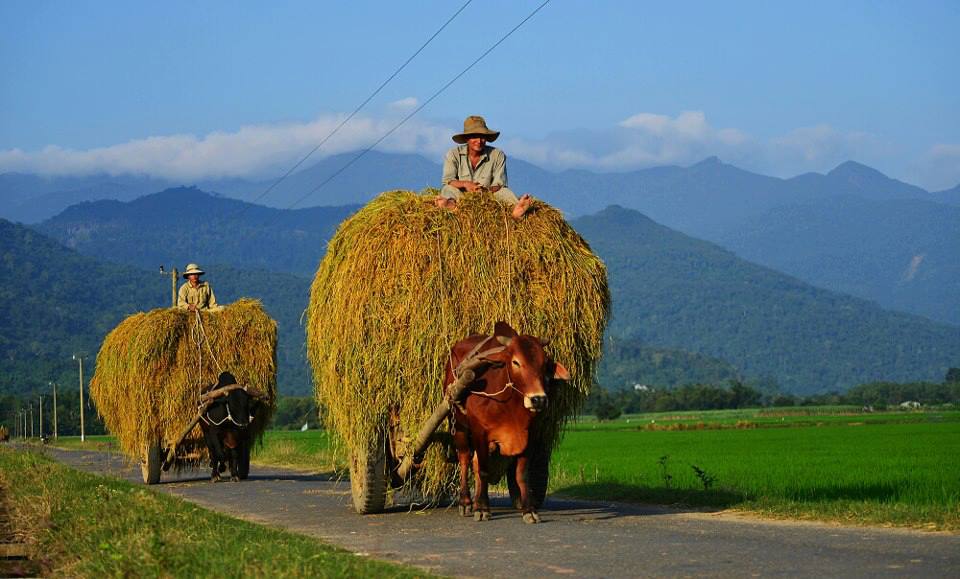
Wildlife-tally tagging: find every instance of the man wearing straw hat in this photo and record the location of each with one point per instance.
(195, 294)
(473, 165)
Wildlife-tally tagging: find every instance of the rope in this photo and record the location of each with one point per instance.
(508, 386)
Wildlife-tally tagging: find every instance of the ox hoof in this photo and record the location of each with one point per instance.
(215, 478)
(234, 478)
(481, 516)
(466, 510)
(531, 518)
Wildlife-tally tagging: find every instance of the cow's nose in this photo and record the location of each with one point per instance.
(538, 403)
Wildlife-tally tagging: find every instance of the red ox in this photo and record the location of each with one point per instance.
(500, 405)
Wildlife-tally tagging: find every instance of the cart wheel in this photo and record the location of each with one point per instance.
(368, 478)
(243, 463)
(538, 475)
(150, 463)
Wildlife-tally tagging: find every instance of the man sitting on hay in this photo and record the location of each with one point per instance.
(195, 294)
(473, 165)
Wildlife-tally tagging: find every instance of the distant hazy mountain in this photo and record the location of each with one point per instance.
(56, 302)
(183, 225)
(31, 198)
(950, 196)
(903, 253)
(670, 290)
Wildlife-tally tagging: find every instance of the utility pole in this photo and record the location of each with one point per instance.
(174, 275)
(41, 416)
(32, 433)
(82, 432)
(54, 410)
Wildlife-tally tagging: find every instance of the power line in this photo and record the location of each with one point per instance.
(359, 107)
(418, 109)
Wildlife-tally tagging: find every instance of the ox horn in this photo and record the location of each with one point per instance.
(504, 340)
(544, 342)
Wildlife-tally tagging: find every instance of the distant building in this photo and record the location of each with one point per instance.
(910, 405)
(642, 388)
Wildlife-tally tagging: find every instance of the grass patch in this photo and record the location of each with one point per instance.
(311, 450)
(83, 525)
(882, 473)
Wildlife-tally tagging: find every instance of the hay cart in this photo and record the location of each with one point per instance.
(400, 283)
(152, 368)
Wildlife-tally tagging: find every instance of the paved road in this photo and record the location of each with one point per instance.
(576, 538)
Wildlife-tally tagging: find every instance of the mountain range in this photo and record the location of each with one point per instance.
(818, 227)
(671, 291)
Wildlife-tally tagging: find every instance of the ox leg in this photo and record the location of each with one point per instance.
(230, 440)
(481, 501)
(463, 458)
(216, 459)
(529, 513)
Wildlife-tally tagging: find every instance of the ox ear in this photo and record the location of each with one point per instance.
(560, 372)
(544, 342)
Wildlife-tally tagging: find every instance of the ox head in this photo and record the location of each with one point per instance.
(529, 367)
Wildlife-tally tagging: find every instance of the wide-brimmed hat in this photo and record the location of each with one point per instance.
(193, 268)
(475, 125)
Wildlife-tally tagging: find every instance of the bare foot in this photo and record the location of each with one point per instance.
(522, 206)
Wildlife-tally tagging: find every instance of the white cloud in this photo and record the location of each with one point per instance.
(405, 104)
(641, 140)
(250, 151)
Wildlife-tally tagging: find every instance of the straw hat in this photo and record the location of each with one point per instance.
(475, 125)
(193, 268)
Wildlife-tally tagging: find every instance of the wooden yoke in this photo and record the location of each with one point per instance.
(466, 373)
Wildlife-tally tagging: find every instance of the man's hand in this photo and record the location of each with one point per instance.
(469, 186)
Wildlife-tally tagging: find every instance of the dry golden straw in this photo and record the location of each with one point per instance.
(150, 371)
(402, 281)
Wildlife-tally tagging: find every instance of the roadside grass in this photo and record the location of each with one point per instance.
(99, 442)
(80, 525)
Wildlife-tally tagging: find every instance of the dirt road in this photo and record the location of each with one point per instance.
(576, 538)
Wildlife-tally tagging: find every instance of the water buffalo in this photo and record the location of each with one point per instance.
(496, 414)
(225, 424)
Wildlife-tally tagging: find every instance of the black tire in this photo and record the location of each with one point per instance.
(151, 463)
(368, 478)
(243, 462)
(538, 475)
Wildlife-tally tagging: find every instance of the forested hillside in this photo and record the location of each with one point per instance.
(671, 290)
(55, 302)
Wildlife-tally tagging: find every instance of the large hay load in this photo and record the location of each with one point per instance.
(402, 281)
(152, 366)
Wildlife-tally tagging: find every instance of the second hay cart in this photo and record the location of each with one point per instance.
(151, 367)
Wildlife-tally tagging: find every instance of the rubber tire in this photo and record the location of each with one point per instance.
(538, 475)
(368, 478)
(151, 463)
(243, 463)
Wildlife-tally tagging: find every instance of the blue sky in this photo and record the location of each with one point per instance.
(236, 88)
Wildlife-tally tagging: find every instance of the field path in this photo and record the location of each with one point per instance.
(576, 538)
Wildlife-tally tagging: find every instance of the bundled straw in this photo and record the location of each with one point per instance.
(152, 366)
(402, 281)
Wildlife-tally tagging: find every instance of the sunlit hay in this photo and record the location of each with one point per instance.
(402, 280)
(151, 368)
